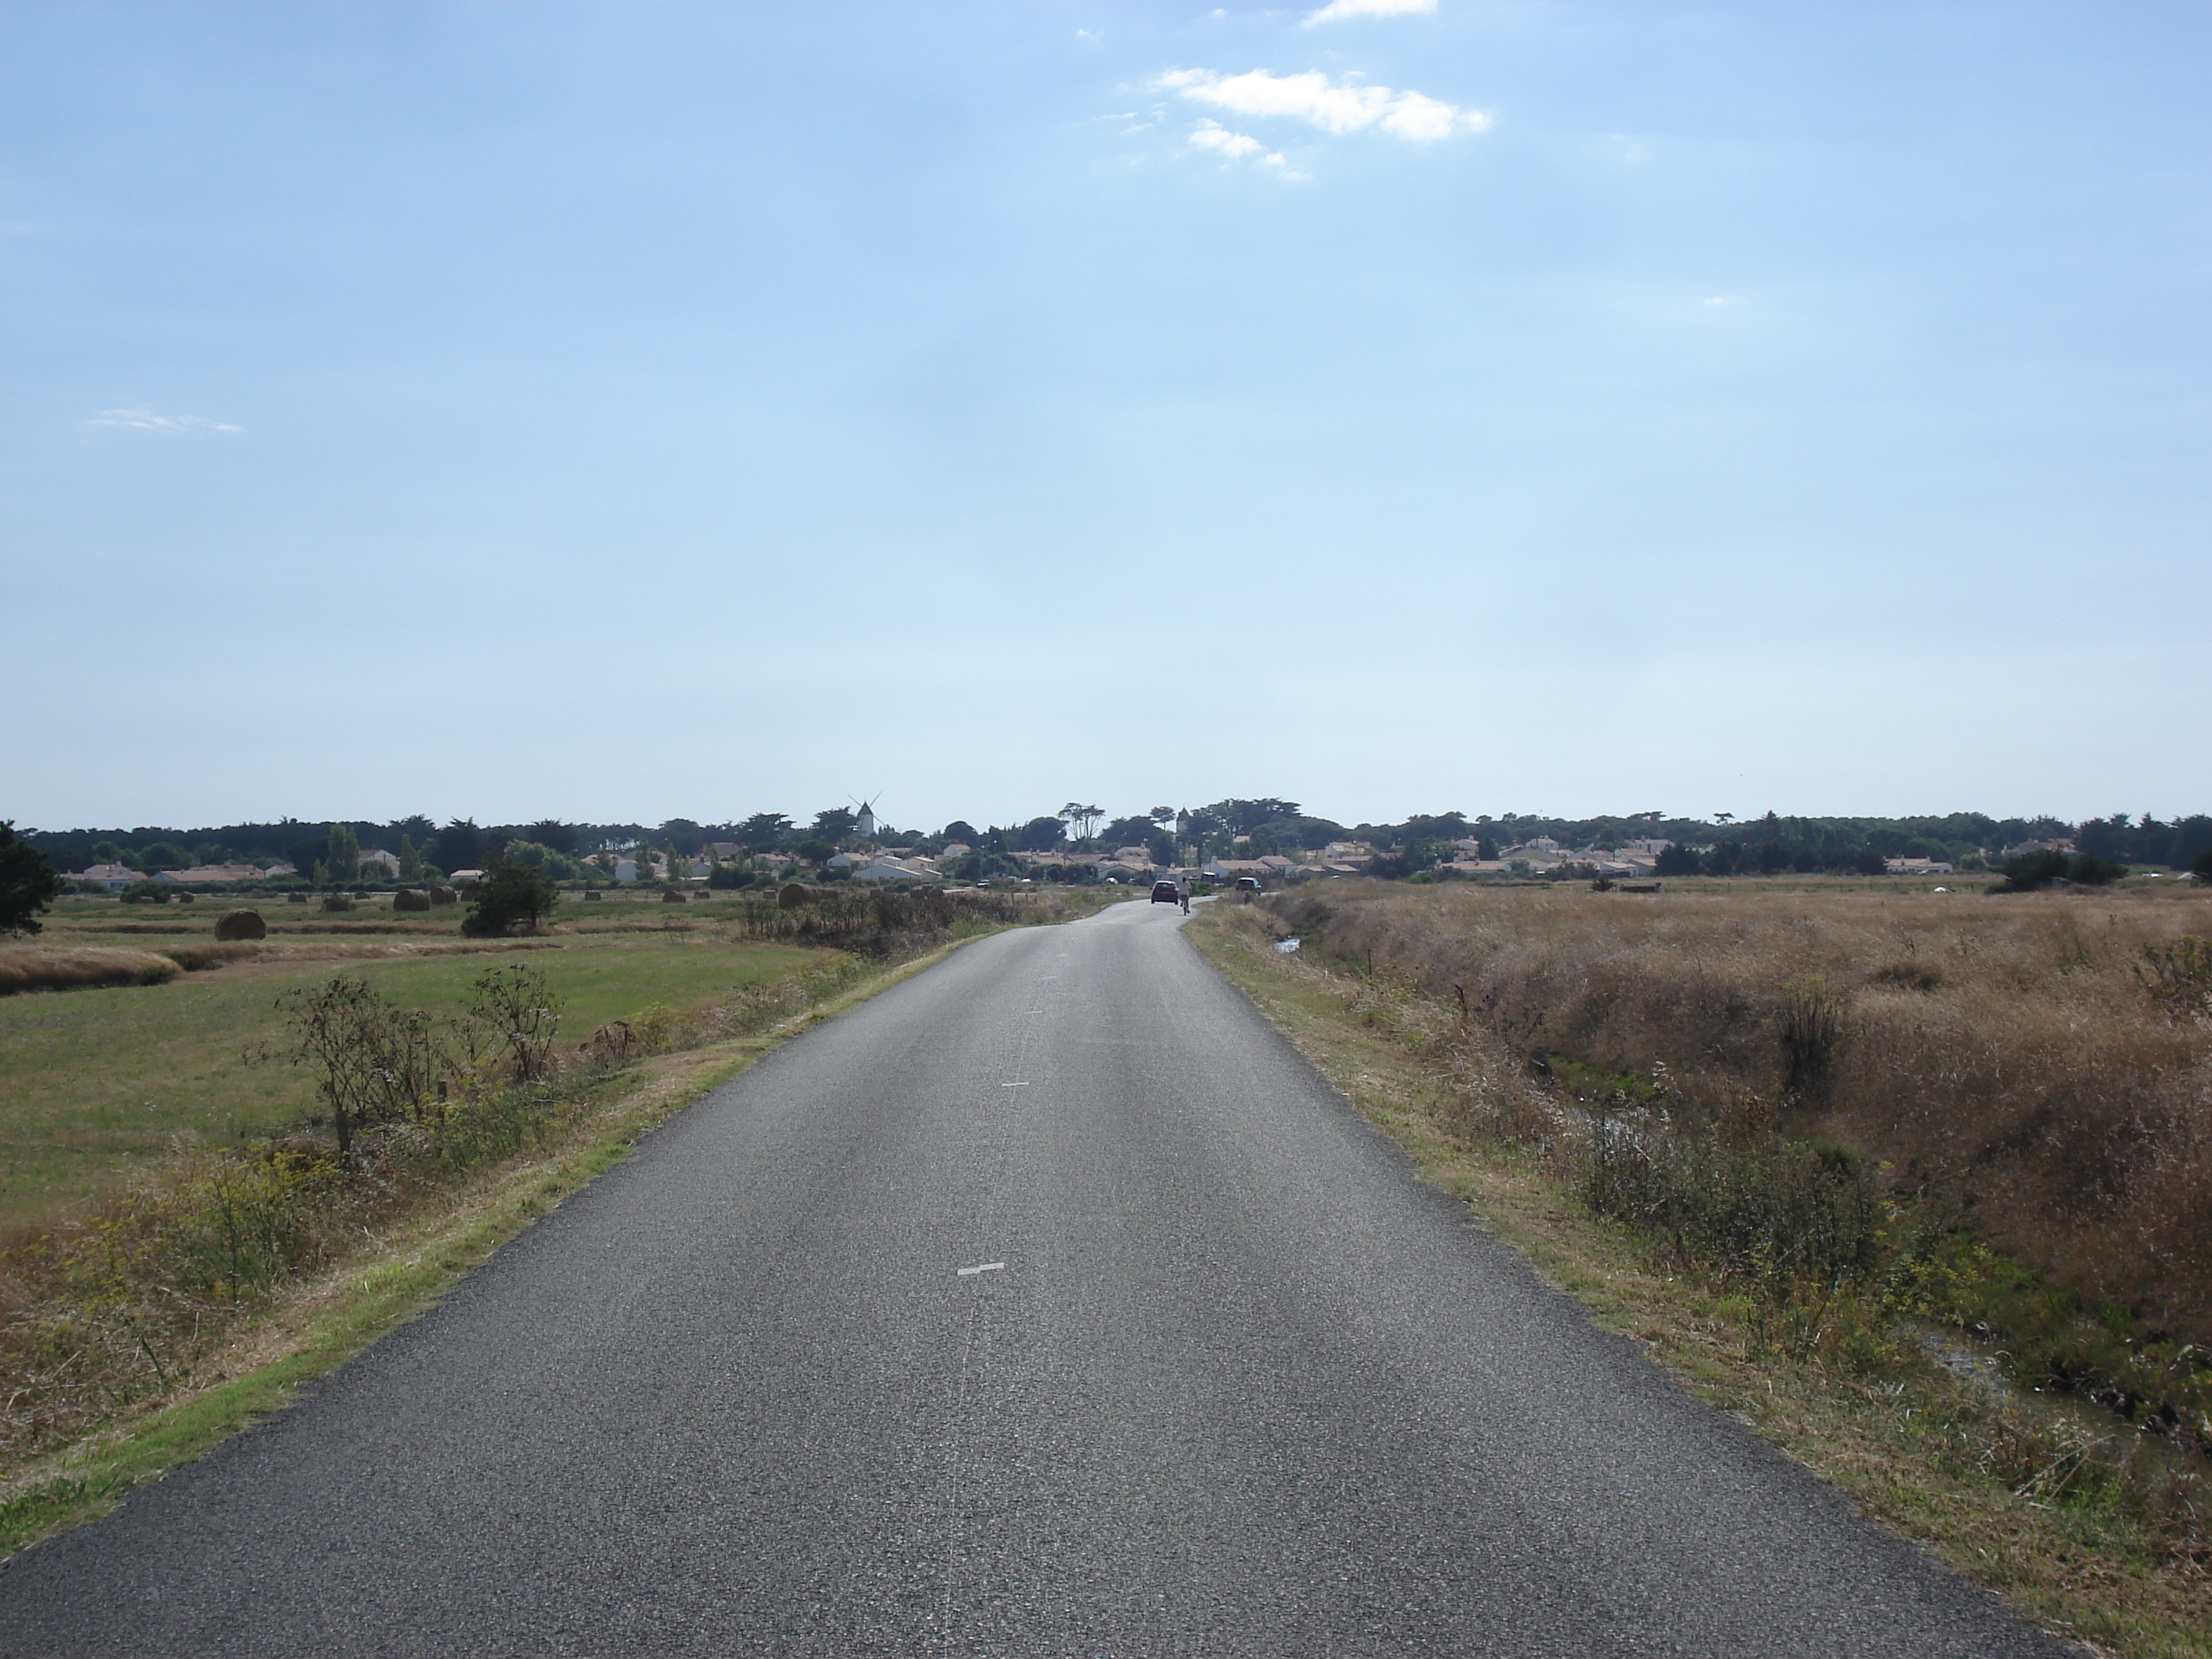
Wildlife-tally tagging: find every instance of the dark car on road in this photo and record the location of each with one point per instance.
(1166, 892)
(1247, 883)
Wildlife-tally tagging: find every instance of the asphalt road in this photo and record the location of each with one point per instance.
(1048, 1304)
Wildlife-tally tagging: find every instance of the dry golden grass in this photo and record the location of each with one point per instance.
(30, 967)
(2119, 1562)
(2004, 1055)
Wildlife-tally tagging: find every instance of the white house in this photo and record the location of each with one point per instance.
(112, 877)
(891, 870)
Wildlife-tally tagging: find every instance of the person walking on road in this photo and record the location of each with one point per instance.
(1183, 892)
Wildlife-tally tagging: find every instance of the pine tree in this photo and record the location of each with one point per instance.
(29, 883)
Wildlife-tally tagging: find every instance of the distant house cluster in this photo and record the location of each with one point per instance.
(114, 877)
(1542, 856)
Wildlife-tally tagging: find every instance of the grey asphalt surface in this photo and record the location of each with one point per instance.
(1233, 1383)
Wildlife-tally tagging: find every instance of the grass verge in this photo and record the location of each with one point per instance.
(316, 1325)
(1916, 1446)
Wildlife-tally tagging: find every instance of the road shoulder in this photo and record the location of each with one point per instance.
(1870, 1439)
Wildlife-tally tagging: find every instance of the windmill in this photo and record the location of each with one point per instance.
(864, 821)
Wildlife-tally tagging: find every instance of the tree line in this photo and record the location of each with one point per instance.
(326, 852)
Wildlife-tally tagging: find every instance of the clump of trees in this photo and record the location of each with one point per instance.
(512, 894)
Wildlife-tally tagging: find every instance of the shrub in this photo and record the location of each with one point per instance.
(2027, 872)
(148, 892)
(514, 1004)
(2178, 975)
(375, 1062)
(1785, 1217)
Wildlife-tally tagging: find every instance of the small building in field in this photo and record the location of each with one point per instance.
(1916, 867)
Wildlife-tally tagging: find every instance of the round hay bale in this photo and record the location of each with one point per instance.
(295, 898)
(590, 895)
(241, 924)
(444, 895)
(187, 898)
(407, 899)
(793, 894)
(670, 895)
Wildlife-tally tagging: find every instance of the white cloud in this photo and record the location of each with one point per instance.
(143, 419)
(1212, 135)
(1336, 10)
(1312, 96)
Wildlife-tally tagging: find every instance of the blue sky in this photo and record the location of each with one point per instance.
(623, 410)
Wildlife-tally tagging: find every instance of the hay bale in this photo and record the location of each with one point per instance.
(407, 899)
(793, 894)
(590, 895)
(241, 924)
(295, 898)
(187, 898)
(670, 895)
(444, 895)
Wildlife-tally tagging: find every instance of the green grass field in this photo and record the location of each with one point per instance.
(96, 1083)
